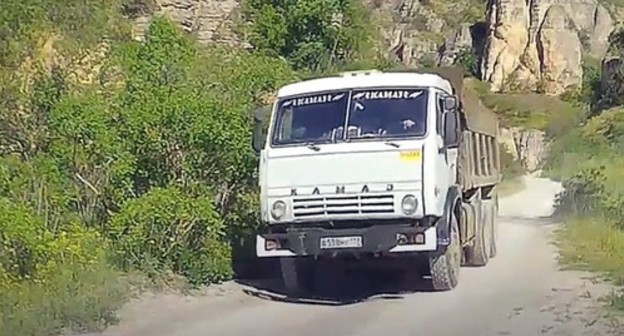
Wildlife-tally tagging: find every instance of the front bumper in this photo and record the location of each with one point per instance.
(382, 239)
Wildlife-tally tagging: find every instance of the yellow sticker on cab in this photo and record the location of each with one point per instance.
(413, 155)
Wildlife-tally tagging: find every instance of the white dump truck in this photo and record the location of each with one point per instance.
(379, 165)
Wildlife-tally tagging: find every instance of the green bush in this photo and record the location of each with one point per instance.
(470, 61)
(31, 250)
(313, 35)
(167, 230)
(61, 276)
(120, 155)
(74, 297)
(588, 160)
(595, 143)
(582, 193)
(588, 94)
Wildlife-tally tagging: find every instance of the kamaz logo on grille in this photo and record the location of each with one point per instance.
(340, 190)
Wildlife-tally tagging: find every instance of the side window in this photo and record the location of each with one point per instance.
(439, 114)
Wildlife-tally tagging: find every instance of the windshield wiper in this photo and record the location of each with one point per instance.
(313, 146)
(393, 144)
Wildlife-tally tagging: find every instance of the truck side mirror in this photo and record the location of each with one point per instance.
(259, 137)
(449, 103)
(451, 129)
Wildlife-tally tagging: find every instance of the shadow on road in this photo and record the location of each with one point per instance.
(535, 221)
(352, 288)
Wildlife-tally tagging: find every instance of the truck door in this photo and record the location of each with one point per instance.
(448, 159)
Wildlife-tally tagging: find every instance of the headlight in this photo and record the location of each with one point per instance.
(278, 210)
(409, 204)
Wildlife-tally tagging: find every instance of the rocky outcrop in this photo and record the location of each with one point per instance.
(527, 45)
(467, 38)
(412, 31)
(529, 146)
(538, 45)
(210, 20)
(534, 45)
(612, 70)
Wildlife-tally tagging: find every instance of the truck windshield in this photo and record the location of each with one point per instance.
(321, 118)
(311, 118)
(387, 113)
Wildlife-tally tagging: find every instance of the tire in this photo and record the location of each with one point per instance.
(445, 268)
(297, 276)
(478, 254)
(493, 222)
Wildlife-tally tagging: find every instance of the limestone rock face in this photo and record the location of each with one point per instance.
(211, 20)
(561, 52)
(412, 30)
(537, 44)
(533, 45)
(456, 44)
(527, 145)
(506, 42)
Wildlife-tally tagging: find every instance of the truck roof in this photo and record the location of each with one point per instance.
(365, 79)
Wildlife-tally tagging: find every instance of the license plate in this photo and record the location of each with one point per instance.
(341, 242)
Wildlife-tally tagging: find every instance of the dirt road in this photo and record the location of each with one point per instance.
(520, 292)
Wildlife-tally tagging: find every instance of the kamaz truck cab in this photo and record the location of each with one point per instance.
(370, 164)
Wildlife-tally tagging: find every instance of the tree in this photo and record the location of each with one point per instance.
(312, 34)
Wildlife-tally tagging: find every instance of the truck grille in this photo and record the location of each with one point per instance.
(342, 205)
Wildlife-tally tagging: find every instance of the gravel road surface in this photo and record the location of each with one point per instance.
(520, 292)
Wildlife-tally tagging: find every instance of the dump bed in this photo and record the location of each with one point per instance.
(478, 117)
(479, 156)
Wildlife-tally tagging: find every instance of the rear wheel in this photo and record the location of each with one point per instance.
(492, 222)
(445, 268)
(297, 276)
(478, 254)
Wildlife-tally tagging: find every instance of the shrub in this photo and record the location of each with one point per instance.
(470, 61)
(142, 165)
(595, 187)
(58, 276)
(32, 251)
(312, 35)
(73, 298)
(588, 94)
(167, 230)
(582, 193)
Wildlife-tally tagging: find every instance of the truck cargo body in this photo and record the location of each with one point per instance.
(378, 164)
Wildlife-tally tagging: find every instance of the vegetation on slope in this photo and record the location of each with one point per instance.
(588, 160)
(118, 156)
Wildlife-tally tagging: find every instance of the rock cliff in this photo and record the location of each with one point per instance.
(529, 146)
(210, 20)
(539, 45)
(534, 45)
(528, 45)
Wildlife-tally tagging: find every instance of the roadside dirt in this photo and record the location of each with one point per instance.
(521, 292)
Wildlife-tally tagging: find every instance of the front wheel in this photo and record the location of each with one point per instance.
(445, 268)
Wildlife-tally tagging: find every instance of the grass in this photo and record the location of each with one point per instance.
(77, 299)
(595, 245)
(529, 110)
